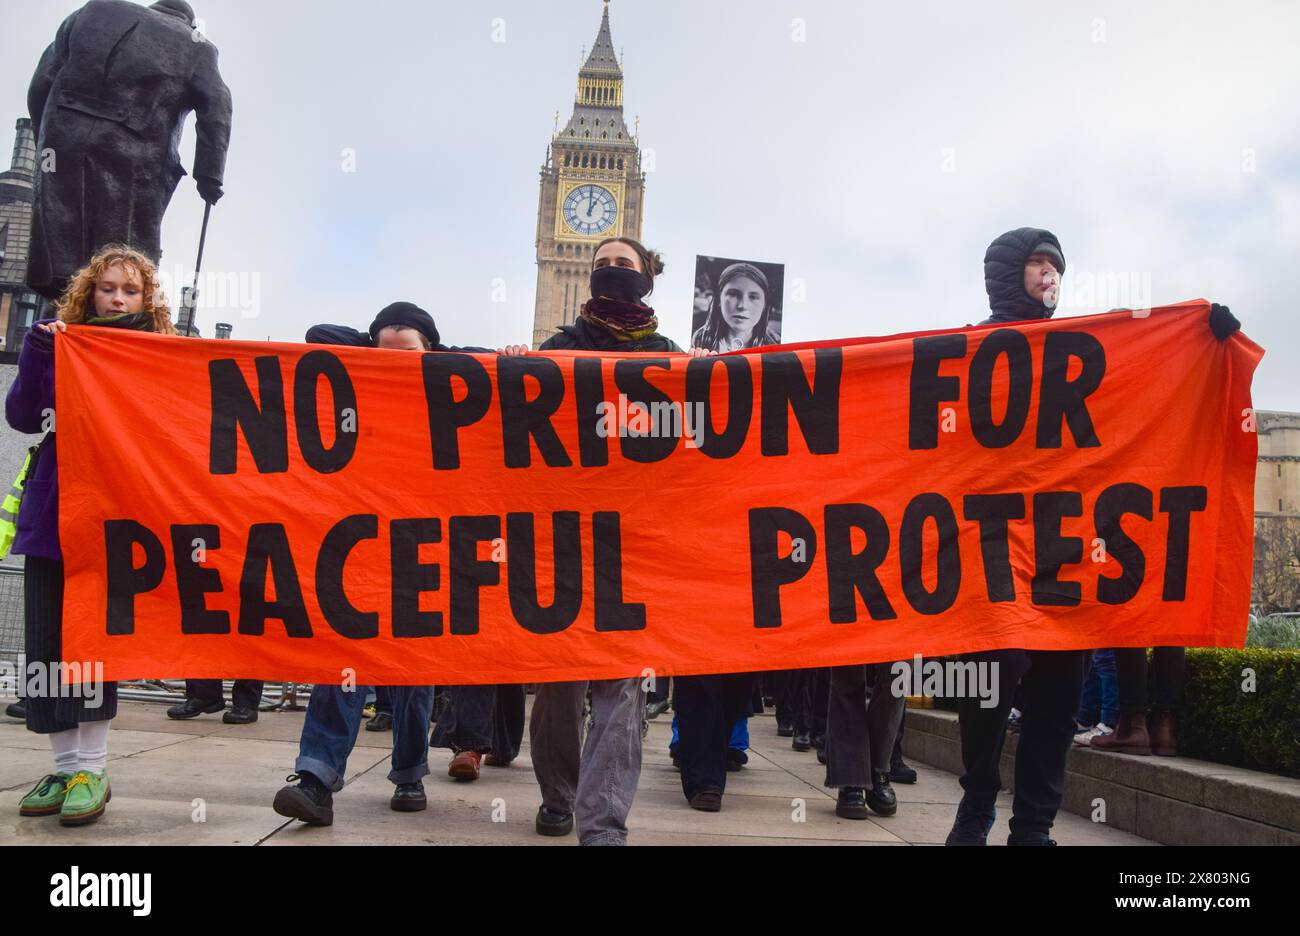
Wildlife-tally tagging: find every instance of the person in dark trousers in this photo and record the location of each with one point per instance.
(778, 682)
(203, 696)
(481, 725)
(708, 708)
(658, 699)
(861, 726)
(334, 713)
(1135, 734)
(1022, 275)
(595, 781)
(899, 770)
(801, 705)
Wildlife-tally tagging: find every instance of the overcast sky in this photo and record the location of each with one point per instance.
(874, 148)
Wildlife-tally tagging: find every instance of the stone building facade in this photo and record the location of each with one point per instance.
(18, 304)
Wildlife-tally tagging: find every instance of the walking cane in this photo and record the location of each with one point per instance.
(191, 302)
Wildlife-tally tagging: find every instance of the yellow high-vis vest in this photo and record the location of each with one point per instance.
(13, 500)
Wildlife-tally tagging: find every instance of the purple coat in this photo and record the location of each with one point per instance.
(30, 395)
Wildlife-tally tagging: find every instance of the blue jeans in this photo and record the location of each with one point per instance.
(739, 736)
(1100, 698)
(334, 718)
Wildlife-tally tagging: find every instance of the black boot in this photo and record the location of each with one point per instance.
(973, 822)
(239, 715)
(852, 803)
(801, 741)
(408, 797)
(900, 772)
(881, 796)
(308, 800)
(553, 823)
(193, 707)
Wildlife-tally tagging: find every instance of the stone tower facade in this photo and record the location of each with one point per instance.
(18, 304)
(592, 187)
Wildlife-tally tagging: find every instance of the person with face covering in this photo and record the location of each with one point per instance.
(741, 312)
(1022, 275)
(594, 782)
(616, 317)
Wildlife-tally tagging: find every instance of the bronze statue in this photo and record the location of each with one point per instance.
(108, 102)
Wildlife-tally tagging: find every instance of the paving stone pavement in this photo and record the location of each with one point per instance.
(168, 774)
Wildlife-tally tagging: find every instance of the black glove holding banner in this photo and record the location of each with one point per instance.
(1222, 322)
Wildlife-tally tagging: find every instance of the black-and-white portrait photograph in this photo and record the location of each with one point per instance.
(737, 303)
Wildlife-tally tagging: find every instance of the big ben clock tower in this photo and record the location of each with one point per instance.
(592, 187)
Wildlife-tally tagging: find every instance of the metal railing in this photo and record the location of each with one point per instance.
(284, 695)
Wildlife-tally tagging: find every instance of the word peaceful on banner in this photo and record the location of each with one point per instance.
(303, 512)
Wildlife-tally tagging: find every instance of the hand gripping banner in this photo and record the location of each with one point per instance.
(286, 511)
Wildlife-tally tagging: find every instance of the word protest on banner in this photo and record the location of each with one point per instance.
(286, 511)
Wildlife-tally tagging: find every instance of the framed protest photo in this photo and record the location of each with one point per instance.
(737, 303)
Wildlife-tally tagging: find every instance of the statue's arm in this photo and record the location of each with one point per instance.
(212, 110)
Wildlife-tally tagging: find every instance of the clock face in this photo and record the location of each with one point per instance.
(590, 209)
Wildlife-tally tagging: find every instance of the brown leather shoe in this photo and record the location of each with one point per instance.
(707, 800)
(464, 766)
(1163, 739)
(1129, 737)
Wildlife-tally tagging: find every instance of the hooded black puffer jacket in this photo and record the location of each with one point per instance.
(1004, 275)
(584, 336)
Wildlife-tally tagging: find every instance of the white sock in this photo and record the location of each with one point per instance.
(94, 746)
(66, 745)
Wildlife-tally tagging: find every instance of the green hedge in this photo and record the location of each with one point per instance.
(1275, 632)
(1220, 722)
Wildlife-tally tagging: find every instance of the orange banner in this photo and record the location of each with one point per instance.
(286, 511)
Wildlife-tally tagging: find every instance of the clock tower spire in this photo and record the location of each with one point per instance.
(592, 187)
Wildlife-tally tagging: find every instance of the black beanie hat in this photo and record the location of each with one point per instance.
(405, 313)
(1004, 273)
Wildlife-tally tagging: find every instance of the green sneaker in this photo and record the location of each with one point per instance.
(88, 794)
(46, 798)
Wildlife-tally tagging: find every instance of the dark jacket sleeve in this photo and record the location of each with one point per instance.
(338, 335)
(32, 392)
(468, 350)
(212, 115)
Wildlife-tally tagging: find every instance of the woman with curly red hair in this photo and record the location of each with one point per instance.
(118, 288)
